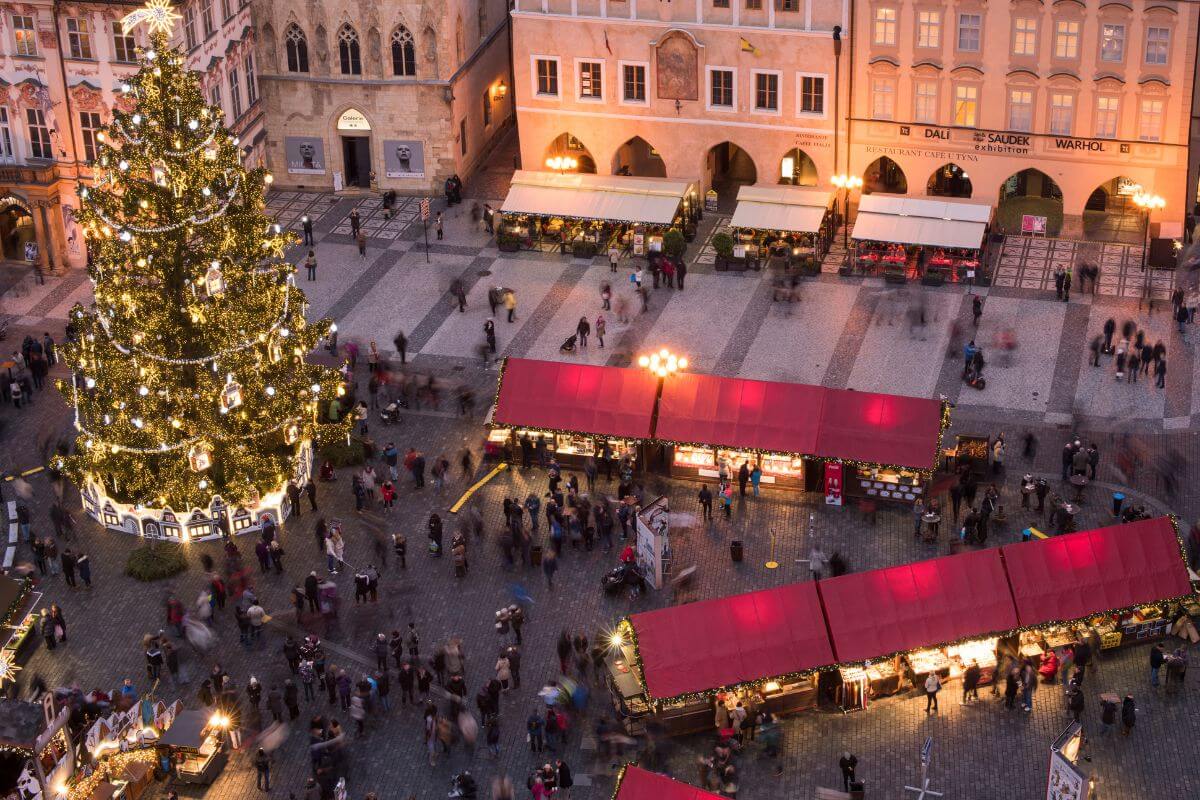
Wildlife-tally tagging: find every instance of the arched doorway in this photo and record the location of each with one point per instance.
(636, 157)
(949, 180)
(567, 145)
(797, 169)
(1110, 215)
(729, 167)
(1029, 192)
(355, 133)
(884, 175)
(16, 228)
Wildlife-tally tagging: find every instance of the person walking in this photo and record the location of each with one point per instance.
(355, 222)
(510, 305)
(307, 224)
(600, 328)
(262, 766)
(361, 239)
(976, 308)
(933, 685)
(680, 274)
(706, 502)
(1066, 286)
(1128, 715)
(437, 225)
(1158, 656)
(848, 764)
(310, 264)
(582, 330)
(1160, 373)
(970, 688)
(459, 292)
(614, 258)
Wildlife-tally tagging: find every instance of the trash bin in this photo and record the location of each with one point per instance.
(1026, 534)
(1118, 501)
(535, 555)
(857, 790)
(735, 549)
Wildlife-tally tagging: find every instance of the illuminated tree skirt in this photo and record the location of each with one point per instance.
(195, 524)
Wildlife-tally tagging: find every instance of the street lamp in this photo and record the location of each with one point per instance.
(562, 163)
(846, 183)
(1149, 203)
(663, 363)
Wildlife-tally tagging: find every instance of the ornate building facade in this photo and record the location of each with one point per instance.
(395, 95)
(61, 64)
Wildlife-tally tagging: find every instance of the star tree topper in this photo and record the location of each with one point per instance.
(157, 14)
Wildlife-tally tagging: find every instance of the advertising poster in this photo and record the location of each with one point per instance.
(833, 484)
(403, 159)
(305, 155)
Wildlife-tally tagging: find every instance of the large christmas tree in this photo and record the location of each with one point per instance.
(188, 374)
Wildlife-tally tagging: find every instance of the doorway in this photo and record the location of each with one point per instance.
(356, 155)
(16, 232)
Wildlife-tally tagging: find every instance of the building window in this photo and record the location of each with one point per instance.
(754, 5)
(1150, 124)
(766, 92)
(1158, 45)
(1062, 114)
(487, 107)
(925, 102)
(24, 35)
(970, 29)
(720, 3)
(6, 140)
(1107, 110)
(79, 37)
(297, 49)
(812, 94)
(929, 29)
(883, 100)
(235, 93)
(206, 16)
(124, 47)
(633, 83)
(481, 18)
(214, 98)
(787, 5)
(1024, 37)
(591, 81)
(966, 106)
(349, 57)
(720, 92)
(251, 80)
(547, 77)
(1020, 110)
(404, 53)
(89, 125)
(885, 26)
(226, 13)
(1112, 43)
(189, 26)
(39, 134)
(462, 136)
(1066, 39)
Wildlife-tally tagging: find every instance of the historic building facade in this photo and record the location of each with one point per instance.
(396, 95)
(728, 92)
(1059, 109)
(61, 64)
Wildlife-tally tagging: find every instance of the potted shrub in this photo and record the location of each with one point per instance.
(583, 249)
(508, 242)
(674, 244)
(723, 244)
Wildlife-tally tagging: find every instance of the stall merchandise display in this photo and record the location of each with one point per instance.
(891, 484)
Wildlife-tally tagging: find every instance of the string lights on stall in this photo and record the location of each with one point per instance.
(197, 337)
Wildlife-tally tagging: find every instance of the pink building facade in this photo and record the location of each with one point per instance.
(727, 93)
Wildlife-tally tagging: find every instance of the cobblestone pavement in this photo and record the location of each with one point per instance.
(845, 332)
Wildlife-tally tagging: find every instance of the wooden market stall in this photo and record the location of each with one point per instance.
(584, 214)
(791, 225)
(934, 239)
(576, 411)
(195, 746)
(636, 783)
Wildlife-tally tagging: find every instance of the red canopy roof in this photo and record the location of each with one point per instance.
(739, 413)
(884, 611)
(640, 784)
(576, 397)
(713, 643)
(1073, 576)
(879, 428)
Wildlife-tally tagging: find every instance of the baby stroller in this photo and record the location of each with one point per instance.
(390, 414)
(569, 345)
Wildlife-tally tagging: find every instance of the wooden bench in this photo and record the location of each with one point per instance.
(10, 553)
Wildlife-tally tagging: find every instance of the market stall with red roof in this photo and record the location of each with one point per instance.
(573, 410)
(635, 783)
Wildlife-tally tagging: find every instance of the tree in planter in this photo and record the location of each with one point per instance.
(188, 373)
(673, 244)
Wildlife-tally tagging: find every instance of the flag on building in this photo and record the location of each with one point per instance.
(747, 47)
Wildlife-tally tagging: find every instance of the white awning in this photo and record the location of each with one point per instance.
(613, 198)
(795, 209)
(942, 222)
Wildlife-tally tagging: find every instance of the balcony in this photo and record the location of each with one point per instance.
(42, 174)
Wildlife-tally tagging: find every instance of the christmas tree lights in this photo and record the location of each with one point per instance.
(189, 378)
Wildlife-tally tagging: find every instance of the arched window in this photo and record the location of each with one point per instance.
(404, 53)
(348, 51)
(297, 48)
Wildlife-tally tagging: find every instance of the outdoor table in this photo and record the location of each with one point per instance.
(1080, 482)
(932, 522)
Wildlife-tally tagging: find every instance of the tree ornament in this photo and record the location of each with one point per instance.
(231, 395)
(214, 280)
(200, 456)
(291, 432)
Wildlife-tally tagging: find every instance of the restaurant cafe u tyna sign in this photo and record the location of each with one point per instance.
(1009, 143)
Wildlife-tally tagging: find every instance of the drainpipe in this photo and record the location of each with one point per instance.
(62, 68)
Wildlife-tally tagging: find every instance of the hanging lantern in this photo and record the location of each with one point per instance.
(291, 432)
(210, 153)
(200, 456)
(214, 280)
(274, 352)
(231, 395)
